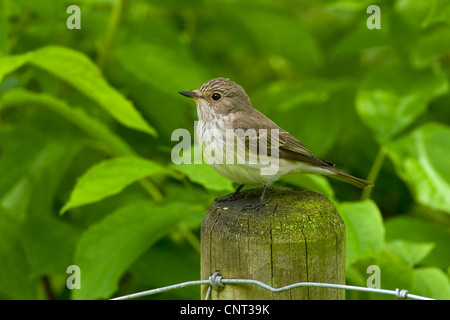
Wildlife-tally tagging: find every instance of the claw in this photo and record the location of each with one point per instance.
(256, 207)
(229, 197)
(261, 203)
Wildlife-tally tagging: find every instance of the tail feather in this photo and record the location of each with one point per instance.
(357, 182)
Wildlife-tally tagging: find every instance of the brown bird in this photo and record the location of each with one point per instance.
(226, 116)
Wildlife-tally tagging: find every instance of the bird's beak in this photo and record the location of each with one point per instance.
(189, 94)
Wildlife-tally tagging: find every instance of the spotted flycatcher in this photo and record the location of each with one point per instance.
(224, 110)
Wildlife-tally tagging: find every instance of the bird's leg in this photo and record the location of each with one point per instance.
(261, 202)
(232, 196)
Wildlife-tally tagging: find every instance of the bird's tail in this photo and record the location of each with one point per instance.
(357, 182)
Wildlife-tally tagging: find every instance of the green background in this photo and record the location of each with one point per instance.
(86, 118)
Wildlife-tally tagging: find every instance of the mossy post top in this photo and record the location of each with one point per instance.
(297, 237)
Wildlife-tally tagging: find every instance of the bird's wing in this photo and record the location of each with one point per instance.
(289, 147)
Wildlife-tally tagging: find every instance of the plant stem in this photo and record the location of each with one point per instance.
(429, 15)
(374, 171)
(113, 25)
(158, 197)
(26, 15)
(151, 190)
(190, 237)
(48, 288)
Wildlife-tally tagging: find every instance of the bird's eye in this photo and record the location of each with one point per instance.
(216, 96)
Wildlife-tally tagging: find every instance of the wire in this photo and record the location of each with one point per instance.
(216, 281)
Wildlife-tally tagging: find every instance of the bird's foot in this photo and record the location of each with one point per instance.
(230, 197)
(256, 207)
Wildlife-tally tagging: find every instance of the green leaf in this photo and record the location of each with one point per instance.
(17, 161)
(202, 173)
(49, 245)
(167, 69)
(362, 37)
(110, 177)
(311, 182)
(9, 63)
(439, 12)
(4, 31)
(421, 160)
(430, 47)
(33, 174)
(108, 248)
(159, 266)
(418, 230)
(279, 34)
(79, 71)
(15, 282)
(420, 14)
(410, 251)
(395, 273)
(364, 227)
(114, 144)
(387, 106)
(431, 282)
(412, 12)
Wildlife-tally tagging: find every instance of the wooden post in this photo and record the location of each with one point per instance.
(297, 237)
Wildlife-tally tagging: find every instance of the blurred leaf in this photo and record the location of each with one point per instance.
(439, 12)
(279, 33)
(311, 182)
(10, 63)
(17, 161)
(418, 230)
(430, 47)
(314, 111)
(387, 106)
(109, 247)
(153, 75)
(40, 7)
(159, 267)
(395, 273)
(33, 189)
(409, 251)
(364, 227)
(97, 130)
(4, 30)
(431, 282)
(421, 14)
(15, 282)
(362, 37)
(18, 197)
(110, 177)
(205, 175)
(167, 69)
(413, 12)
(49, 245)
(421, 160)
(202, 173)
(78, 70)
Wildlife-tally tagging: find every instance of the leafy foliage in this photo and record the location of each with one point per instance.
(86, 118)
